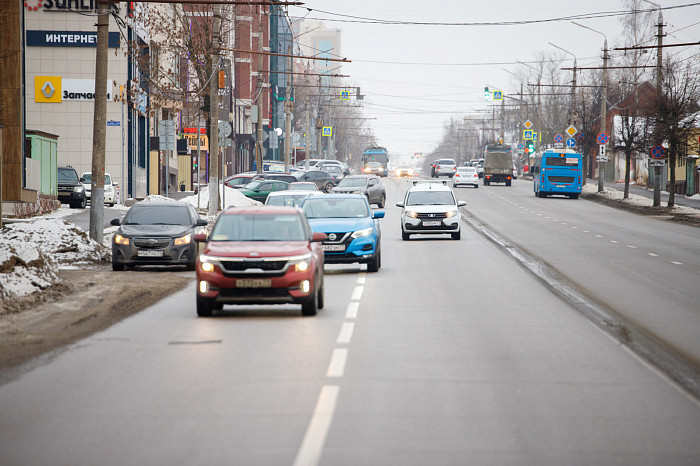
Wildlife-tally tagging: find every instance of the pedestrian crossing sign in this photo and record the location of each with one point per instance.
(344, 95)
(327, 131)
(527, 134)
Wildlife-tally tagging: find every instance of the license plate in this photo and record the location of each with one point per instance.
(253, 283)
(432, 223)
(150, 253)
(334, 247)
(561, 186)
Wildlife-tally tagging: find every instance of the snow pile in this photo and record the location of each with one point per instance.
(634, 199)
(31, 253)
(234, 198)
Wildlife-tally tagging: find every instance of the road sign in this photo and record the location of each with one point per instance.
(537, 136)
(527, 124)
(558, 138)
(558, 145)
(327, 131)
(344, 95)
(527, 134)
(657, 162)
(571, 130)
(520, 146)
(497, 95)
(602, 138)
(571, 142)
(580, 136)
(224, 128)
(602, 156)
(658, 152)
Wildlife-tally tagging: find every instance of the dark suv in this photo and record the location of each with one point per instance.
(70, 188)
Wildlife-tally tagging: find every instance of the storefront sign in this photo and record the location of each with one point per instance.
(68, 39)
(55, 89)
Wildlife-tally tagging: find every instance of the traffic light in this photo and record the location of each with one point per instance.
(531, 146)
(487, 94)
(194, 164)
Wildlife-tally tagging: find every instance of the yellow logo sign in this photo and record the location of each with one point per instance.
(47, 89)
(192, 141)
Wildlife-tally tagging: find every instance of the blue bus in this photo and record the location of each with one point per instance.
(558, 172)
(376, 154)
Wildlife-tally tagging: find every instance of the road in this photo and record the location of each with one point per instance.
(452, 353)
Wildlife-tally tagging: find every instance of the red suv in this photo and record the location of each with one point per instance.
(260, 255)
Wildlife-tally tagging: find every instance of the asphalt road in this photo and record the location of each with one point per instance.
(451, 354)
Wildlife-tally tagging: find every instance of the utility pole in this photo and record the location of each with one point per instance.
(307, 133)
(258, 100)
(214, 114)
(288, 118)
(659, 79)
(99, 125)
(603, 112)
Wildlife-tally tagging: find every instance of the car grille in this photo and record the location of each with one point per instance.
(240, 266)
(151, 243)
(433, 216)
(340, 237)
(560, 179)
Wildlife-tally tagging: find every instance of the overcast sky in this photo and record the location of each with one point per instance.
(415, 77)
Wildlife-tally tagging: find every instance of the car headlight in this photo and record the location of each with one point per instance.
(119, 239)
(183, 240)
(412, 214)
(78, 189)
(360, 233)
(207, 266)
(300, 263)
(451, 214)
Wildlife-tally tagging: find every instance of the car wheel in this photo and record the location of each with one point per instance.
(405, 236)
(310, 307)
(382, 201)
(321, 299)
(204, 307)
(507, 183)
(457, 235)
(375, 264)
(573, 196)
(111, 204)
(328, 187)
(476, 186)
(117, 267)
(83, 204)
(191, 265)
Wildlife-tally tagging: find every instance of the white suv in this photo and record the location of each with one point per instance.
(110, 188)
(446, 167)
(430, 207)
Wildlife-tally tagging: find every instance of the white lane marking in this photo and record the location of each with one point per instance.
(652, 254)
(311, 447)
(357, 293)
(613, 241)
(563, 223)
(677, 263)
(574, 228)
(345, 334)
(351, 312)
(631, 247)
(361, 278)
(586, 231)
(598, 236)
(337, 366)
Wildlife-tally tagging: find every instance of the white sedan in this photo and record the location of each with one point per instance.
(465, 175)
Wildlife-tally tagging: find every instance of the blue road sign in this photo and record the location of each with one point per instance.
(602, 138)
(558, 138)
(658, 152)
(527, 134)
(520, 146)
(571, 142)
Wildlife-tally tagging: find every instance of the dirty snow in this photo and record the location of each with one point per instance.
(634, 199)
(234, 198)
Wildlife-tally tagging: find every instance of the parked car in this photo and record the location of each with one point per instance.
(156, 233)
(323, 180)
(70, 188)
(445, 167)
(302, 186)
(480, 167)
(286, 177)
(429, 208)
(287, 198)
(240, 180)
(465, 175)
(352, 228)
(368, 185)
(259, 189)
(334, 170)
(432, 168)
(110, 192)
(260, 255)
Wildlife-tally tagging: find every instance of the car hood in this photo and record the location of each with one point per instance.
(256, 249)
(338, 225)
(431, 208)
(348, 189)
(155, 230)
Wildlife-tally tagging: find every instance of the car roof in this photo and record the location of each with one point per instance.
(360, 176)
(260, 210)
(288, 192)
(336, 196)
(430, 186)
(160, 203)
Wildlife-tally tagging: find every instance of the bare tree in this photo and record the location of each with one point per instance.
(676, 111)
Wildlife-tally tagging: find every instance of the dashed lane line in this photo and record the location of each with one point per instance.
(336, 368)
(311, 447)
(345, 334)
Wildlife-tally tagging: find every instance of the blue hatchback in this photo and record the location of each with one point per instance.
(351, 226)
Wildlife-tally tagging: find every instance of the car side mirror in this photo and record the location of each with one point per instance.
(82, 180)
(400, 204)
(201, 222)
(378, 214)
(461, 204)
(318, 237)
(200, 237)
(115, 222)
(116, 185)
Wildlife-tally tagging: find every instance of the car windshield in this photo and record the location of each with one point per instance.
(430, 198)
(352, 182)
(238, 180)
(302, 187)
(446, 162)
(259, 227)
(332, 207)
(65, 174)
(158, 215)
(88, 178)
(253, 184)
(462, 170)
(374, 164)
(290, 200)
(331, 169)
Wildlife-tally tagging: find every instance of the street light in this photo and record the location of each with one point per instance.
(538, 123)
(603, 103)
(572, 114)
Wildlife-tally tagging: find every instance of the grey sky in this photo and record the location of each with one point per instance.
(412, 101)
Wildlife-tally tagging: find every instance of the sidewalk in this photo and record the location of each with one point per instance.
(681, 200)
